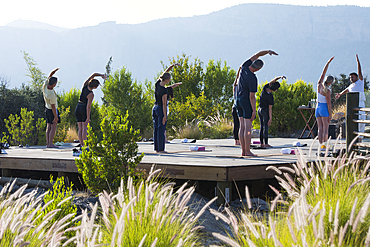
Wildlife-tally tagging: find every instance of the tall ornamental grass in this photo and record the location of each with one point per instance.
(150, 214)
(20, 223)
(323, 203)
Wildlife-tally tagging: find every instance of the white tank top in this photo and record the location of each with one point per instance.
(321, 98)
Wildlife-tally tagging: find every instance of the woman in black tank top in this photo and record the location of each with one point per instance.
(83, 108)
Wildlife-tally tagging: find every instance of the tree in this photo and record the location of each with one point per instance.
(124, 94)
(285, 114)
(37, 76)
(218, 85)
(112, 159)
(190, 74)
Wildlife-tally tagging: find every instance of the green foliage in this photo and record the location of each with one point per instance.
(59, 193)
(121, 92)
(40, 131)
(13, 100)
(194, 108)
(285, 114)
(69, 99)
(111, 159)
(37, 76)
(218, 81)
(63, 126)
(216, 127)
(21, 128)
(188, 130)
(190, 74)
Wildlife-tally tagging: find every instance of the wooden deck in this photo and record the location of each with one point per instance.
(220, 162)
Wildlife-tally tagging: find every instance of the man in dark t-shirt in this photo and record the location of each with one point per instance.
(246, 100)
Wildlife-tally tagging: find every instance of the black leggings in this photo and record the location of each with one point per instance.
(236, 124)
(263, 114)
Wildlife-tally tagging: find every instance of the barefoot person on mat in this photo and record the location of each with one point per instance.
(51, 108)
(323, 109)
(246, 98)
(159, 112)
(83, 108)
(265, 109)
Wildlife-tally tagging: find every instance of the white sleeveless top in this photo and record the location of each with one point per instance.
(321, 98)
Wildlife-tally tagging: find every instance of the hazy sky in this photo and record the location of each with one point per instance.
(80, 13)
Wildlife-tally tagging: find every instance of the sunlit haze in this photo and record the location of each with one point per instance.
(80, 13)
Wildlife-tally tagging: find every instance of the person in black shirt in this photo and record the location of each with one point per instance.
(265, 109)
(246, 98)
(83, 108)
(159, 113)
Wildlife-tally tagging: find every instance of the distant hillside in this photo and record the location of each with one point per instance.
(304, 37)
(35, 25)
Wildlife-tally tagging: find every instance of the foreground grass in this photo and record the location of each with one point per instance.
(324, 203)
(149, 214)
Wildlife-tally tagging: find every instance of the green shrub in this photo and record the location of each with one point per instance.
(63, 126)
(21, 128)
(189, 130)
(112, 159)
(217, 127)
(285, 114)
(54, 198)
(194, 109)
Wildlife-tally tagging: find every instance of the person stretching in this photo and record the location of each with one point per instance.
(265, 109)
(323, 108)
(83, 108)
(159, 112)
(51, 105)
(246, 99)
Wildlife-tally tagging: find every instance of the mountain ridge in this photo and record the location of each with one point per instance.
(304, 37)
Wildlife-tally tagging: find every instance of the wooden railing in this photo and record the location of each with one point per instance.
(352, 121)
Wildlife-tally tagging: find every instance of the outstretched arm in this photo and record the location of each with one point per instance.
(92, 76)
(359, 69)
(324, 70)
(175, 84)
(276, 78)
(170, 68)
(53, 72)
(262, 53)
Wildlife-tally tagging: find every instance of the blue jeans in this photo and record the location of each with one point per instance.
(159, 128)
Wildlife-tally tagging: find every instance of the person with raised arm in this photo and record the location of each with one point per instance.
(51, 105)
(323, 111)
(357, 86)
(83, 108)
(246, 98)
(159, 112)
(265, 109)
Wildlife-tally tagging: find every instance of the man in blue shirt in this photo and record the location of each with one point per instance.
(246, 98)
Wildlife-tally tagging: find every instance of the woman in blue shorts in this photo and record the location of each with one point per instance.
(323, 108)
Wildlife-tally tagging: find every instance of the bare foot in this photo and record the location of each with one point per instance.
(52, 146)
(237, 142)
(162, 152)
(250, 154)
(268, 146)
(262, 146)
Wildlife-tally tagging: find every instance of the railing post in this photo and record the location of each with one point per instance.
(352, 100)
